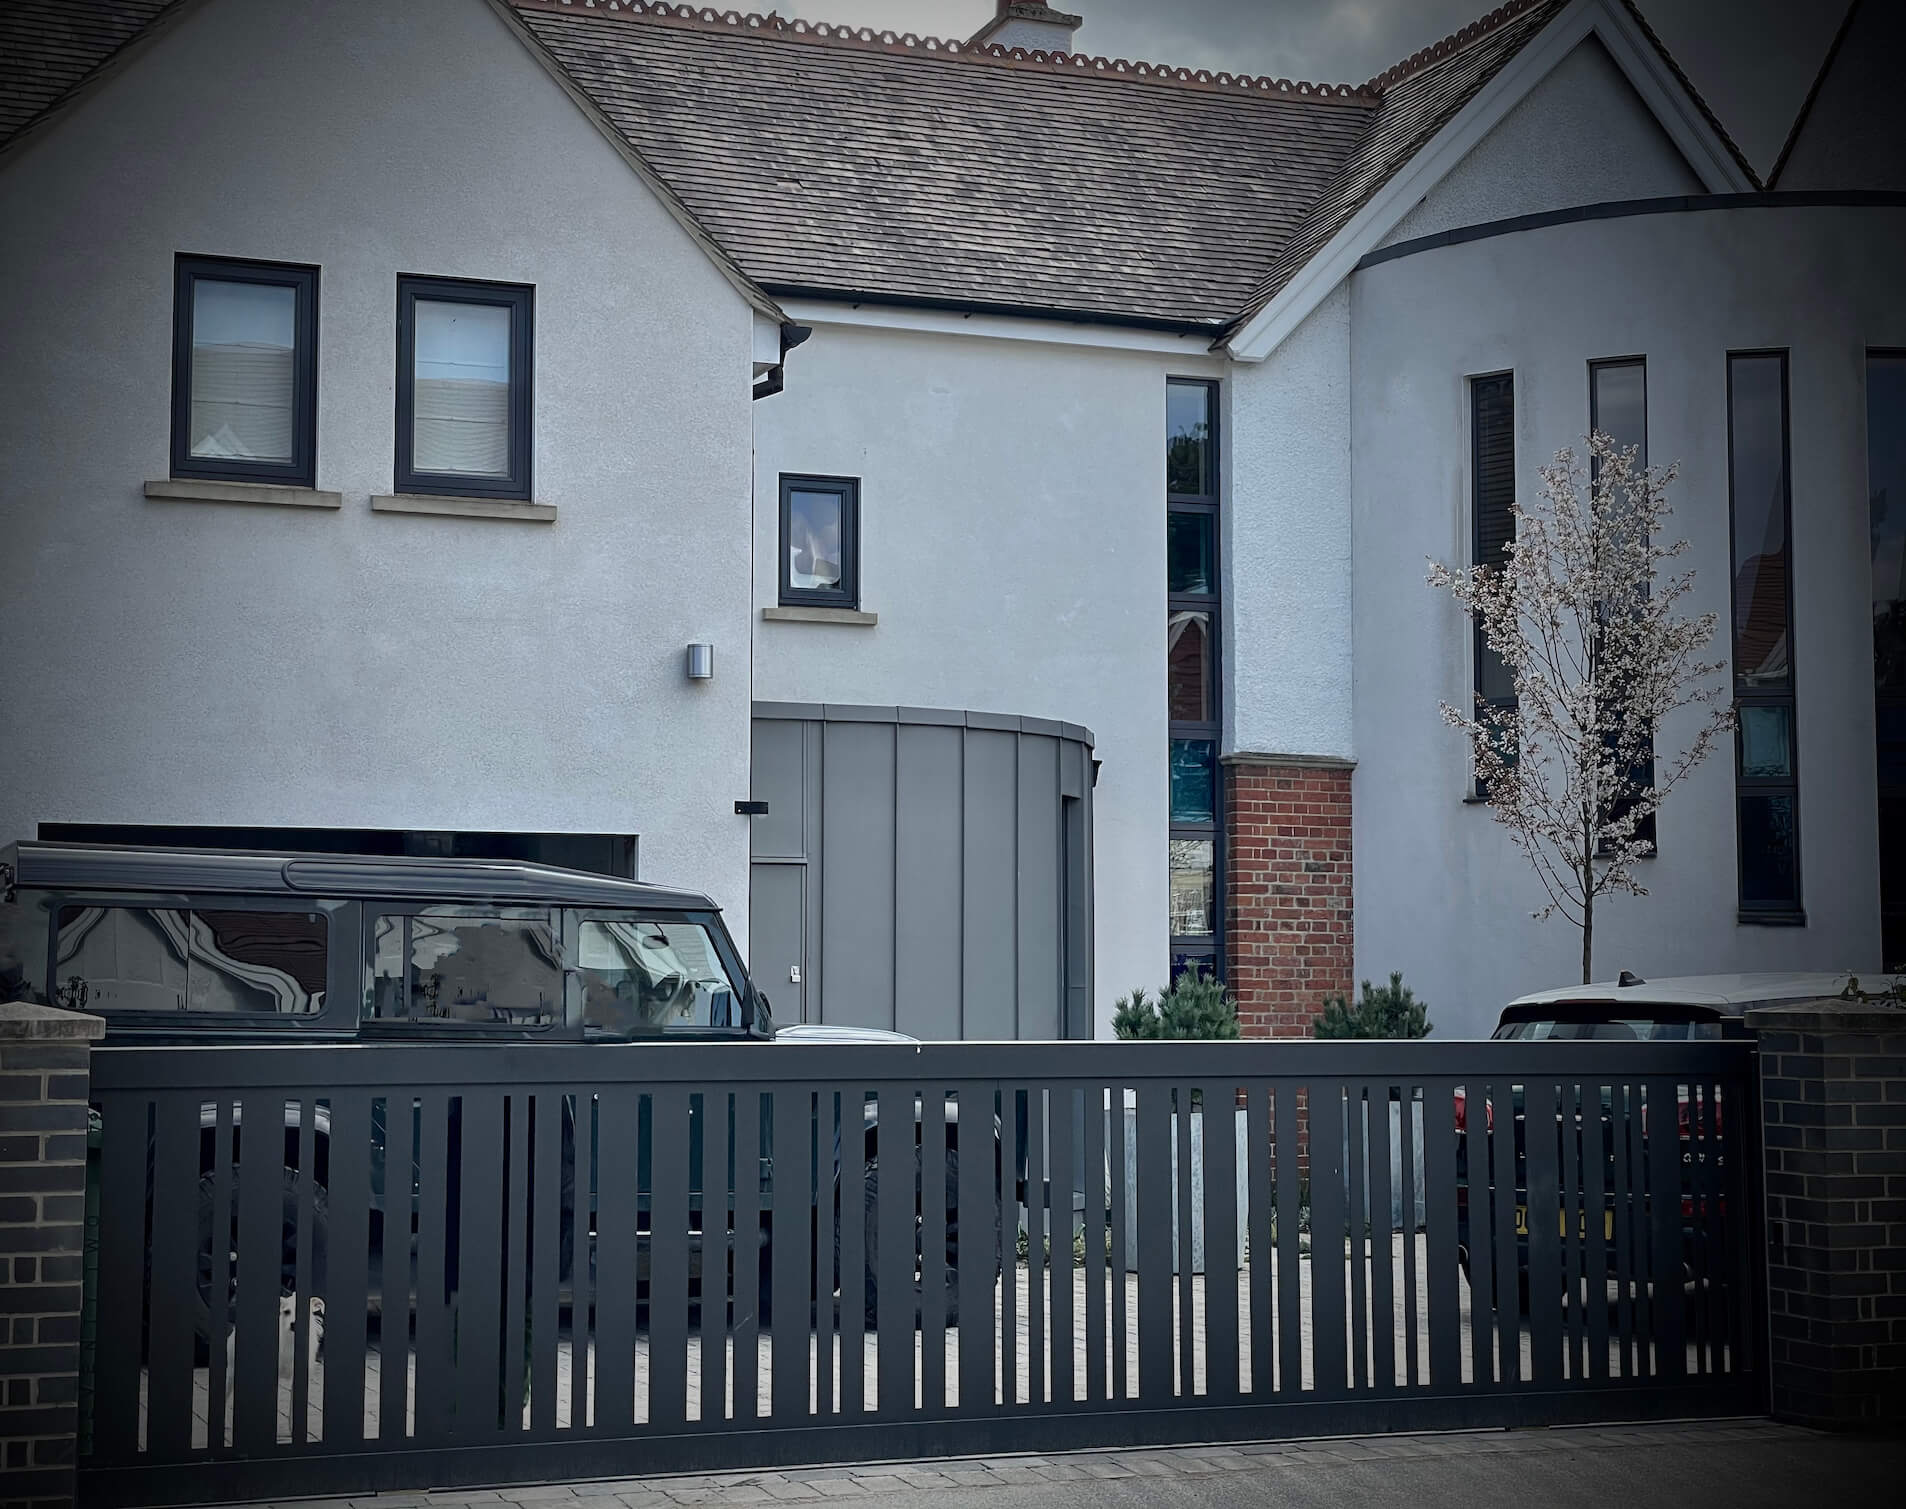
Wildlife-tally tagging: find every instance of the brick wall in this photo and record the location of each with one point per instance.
(1288, 927)
(1833, 1089)
(43, 1089)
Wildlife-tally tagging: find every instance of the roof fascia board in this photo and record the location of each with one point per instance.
(1813, 93)
(724, 263)
(134, 49)
(998, 327)
(1639, 61)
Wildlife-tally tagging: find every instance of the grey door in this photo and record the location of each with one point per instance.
(777, 925)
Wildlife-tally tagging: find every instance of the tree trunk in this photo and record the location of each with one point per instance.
(1588, 932)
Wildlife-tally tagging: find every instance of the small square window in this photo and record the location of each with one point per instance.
(820, 542)
(245, 371)
(463, 388)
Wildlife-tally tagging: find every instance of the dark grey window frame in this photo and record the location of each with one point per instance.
(847, 594)
(520, 300)
(1478, 643)
(1779, 915)
(1198, 950)
(1648, 828)
(302, 469)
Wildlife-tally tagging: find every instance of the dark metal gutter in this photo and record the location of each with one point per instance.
(990, 307)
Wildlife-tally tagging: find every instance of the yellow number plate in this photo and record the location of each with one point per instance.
(1561, 1224)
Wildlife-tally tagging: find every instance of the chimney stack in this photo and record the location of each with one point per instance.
(1030, 24)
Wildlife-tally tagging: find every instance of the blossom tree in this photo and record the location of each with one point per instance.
(1585, 613)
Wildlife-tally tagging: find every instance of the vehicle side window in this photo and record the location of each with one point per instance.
(641, 976)
(222, 963)
(461, 964)
(23, 948)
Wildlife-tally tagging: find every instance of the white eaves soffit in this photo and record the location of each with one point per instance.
(1607, 20)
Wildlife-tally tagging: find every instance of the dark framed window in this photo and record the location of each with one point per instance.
(226, 961)
(1886, 503)
(1193, 584)
(464, 414)
(1618, 407)
(1760, 518)
(468, 968)
(820, 542)
(245, 371)
(1492, 484)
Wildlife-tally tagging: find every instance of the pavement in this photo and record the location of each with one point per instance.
(1738, 1464)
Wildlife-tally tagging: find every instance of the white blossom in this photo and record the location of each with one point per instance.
(1583, 612)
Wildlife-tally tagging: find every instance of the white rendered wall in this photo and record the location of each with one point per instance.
(1439, 892)
(1287, 538)
(1013, 546)
(185, 663)
(1580, 136)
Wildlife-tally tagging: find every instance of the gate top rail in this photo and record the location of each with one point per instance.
(375, 1064)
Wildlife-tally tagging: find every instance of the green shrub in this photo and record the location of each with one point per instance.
(1392, 1011)
(1196, 1006)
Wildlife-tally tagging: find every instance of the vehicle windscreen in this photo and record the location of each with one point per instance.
(642, 976)
(1629, 1027)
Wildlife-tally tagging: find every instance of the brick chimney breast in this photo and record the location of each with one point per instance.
(1030, 24)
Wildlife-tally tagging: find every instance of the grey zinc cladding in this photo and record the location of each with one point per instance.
(826, 166)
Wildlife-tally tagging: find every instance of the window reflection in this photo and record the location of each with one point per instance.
(1759, 443)
(1193, 780)
(244, 373)
(497, 968)
(1188, 440)
(1188, 662)
(1188, 552)
(1192, 892)
(814, 540)
(462, 395)
(167, 959)
(643, 976)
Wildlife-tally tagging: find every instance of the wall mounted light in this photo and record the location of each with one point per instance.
(701, 662)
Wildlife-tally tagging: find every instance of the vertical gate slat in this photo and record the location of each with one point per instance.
(1595, 1150)
(1413, 1371)
(830, 1111)
(669, 1142)
(717, 1249)
(1327, 1225)
(893, 1277)
(547, 1114)
(1664, 1200)
(1095, 1182)
(617, 1112)
(174, 1276)
(1510, 1276)
(517, 1335)
(1184, 1173)
(1383, 1242)
(347, 1261)
(478, 1310)
(748, 1259)
(1544, 1197)
(1620, 1111)
(1123, 1158)
(1741, 1227)
(980, 1236)
(394, 1270)
(1012, 1197)
(1439, 1209)
(937, 1200)
(1037, 1229)
(260, 1185)
(1357, 1186)
(304, 1284)
(1221, 1242)
(435, 1365)
(122, 1242)
(1257, 1213)
(1154, 1243)
(793, 1208)
(851, 1271)
(1574, 1234)
(1708, 1290)
(1478, 1123)
(1287, 1177)
(219, 1296)
(1061, 1295)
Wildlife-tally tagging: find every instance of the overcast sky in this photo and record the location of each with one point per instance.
(1752, 59)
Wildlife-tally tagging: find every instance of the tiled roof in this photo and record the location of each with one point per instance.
(822, 158)
(49, 47)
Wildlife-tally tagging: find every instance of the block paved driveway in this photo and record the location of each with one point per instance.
(1736, 1464)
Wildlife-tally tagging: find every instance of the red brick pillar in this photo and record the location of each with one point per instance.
(1288, 929)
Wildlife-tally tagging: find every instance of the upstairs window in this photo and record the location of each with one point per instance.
(245, 371)
(820, 542)
(463, 388)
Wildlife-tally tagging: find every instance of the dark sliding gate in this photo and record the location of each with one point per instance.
(341, 1269)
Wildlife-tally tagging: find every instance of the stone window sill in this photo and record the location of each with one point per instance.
(198, 490)
(820, 616)
(513, 509)
(1771, 919)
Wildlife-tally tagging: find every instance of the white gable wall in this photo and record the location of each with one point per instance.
(1580, 136)
(187, 663)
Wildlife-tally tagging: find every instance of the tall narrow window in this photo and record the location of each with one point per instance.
(1194, 866)
(245, 371)
(1886, 492)
(463, 388)
(1492, 470)
(1760, 505)
(1618, 407)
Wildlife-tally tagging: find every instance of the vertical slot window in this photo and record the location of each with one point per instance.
(1193, 693)
(1492, 471)
(1886, 502)
(1618, 407)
